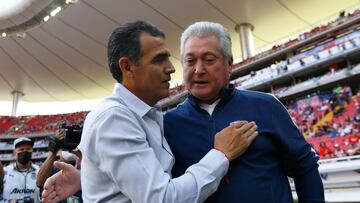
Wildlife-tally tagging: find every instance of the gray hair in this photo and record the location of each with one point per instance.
(205, 28)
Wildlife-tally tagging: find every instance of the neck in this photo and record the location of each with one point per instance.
(138, 94)
(23, 167)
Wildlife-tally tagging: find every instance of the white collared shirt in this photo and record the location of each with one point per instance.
(209, 107)
(127, 159)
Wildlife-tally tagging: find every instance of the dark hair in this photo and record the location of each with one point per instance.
(125, 42)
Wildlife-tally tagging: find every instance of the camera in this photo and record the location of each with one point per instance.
(72, 136)
(26, 199)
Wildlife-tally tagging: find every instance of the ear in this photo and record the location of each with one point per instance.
(230, 63)
(125, 68)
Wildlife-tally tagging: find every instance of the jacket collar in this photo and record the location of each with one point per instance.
(224, 95)
(31, 168)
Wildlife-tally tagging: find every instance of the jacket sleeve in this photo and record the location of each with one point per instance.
(133, 166)
(298, 159)
(309, 187)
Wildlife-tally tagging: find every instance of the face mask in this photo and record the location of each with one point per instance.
(24, 157)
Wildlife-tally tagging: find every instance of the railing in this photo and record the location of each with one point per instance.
(334, 160)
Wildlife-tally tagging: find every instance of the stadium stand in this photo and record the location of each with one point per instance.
(37, 127)
(328, 121)
(308, 41)
(316, 75)
(329, 117)
(315, 61)
(28, 125)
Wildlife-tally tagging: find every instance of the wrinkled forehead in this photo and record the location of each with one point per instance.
(201, 44)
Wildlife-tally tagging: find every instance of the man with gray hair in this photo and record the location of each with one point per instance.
(280, 150)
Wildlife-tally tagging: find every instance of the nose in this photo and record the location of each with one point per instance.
(199, 68)
(170, 68)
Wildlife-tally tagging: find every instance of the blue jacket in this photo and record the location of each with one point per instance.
(260, 174)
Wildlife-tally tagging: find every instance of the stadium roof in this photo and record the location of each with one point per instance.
(64, 59)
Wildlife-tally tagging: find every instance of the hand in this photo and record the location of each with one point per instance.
(236, 138)
(62, 184)
(56, 140)
(60, 134)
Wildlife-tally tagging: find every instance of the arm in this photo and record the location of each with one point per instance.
(137, 171)
(45, 170)
(299, 160)
(309, 187)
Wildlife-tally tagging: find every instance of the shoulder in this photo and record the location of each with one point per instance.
(255, 96)
(105, 117)
(9, 167)
(108, 107)
(178, 110)
(9, 171)
(36, 167)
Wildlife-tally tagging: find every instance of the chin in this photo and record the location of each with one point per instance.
(165, 94)
(199, 93)
(205, 97)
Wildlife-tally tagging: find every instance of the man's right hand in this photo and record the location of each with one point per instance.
(236, 138)
(62, 184)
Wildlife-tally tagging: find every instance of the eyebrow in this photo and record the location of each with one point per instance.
(210, 53)
(202, 55)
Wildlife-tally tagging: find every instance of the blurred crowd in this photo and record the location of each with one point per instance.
(27, 125)
(330, 121)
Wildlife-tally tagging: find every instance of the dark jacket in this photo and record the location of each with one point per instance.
(260, 174)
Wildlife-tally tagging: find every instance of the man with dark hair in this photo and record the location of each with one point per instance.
(20, 177)
(125, 41)
(260, 175)
(125, 157)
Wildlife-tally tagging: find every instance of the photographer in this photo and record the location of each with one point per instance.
(19, 181)
(56, 143)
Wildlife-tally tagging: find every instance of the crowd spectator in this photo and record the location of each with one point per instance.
(325, 151)
(338, 151)
(19, 181)
(353, 138)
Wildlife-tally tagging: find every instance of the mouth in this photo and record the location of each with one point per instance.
(166, 81)
(200, 82)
